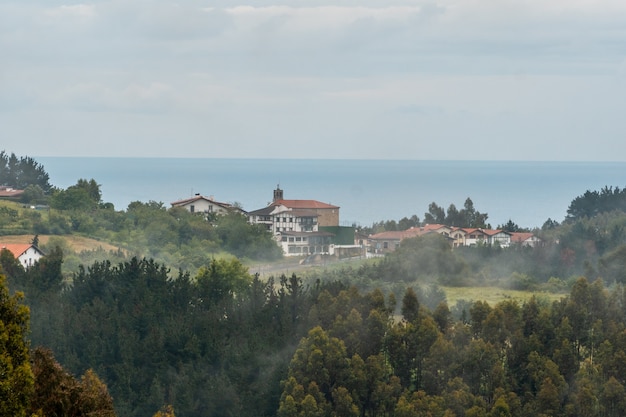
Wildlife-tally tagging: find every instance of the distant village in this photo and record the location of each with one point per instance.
(311, 227)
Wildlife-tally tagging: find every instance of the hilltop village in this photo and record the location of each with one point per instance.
(310, 227)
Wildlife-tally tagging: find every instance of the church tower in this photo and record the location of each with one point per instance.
(278, 194)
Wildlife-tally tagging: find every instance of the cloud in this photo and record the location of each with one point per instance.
(342, 74)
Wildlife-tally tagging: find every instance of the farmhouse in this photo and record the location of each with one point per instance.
(26, 253)
(525, 239)
(206, 205)
(10, 192)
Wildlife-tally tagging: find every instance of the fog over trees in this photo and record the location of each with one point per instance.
(174, 323)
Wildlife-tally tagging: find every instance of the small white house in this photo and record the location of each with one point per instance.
(26, 253)
(206, 205)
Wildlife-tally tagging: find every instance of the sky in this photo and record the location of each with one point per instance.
(356, 79)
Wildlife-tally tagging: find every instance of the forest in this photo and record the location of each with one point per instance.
(145, 332)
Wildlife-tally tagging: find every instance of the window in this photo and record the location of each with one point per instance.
(192, 208)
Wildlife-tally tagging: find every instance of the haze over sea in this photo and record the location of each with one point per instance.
(366, 190)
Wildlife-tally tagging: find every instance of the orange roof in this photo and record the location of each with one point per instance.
(520, 236)
(434, 226)
(10, 192)
(398, 234)
(304, 204)
(470, 229)
(17, 249)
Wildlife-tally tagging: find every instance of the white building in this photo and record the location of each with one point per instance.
(206, 205)
(26, 253)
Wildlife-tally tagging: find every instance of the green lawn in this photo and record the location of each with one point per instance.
(493, 295)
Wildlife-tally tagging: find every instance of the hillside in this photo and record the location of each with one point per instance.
(75, 243)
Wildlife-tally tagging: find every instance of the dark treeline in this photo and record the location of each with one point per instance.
(23, 172)
(592, 203)
(225, 343)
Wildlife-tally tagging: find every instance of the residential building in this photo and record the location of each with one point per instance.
(525, 239)
(388, 241)
(10, 192)
(474, 236)
(305, 243)
(26, 253)
(457, 237)
(295, 224)
(500, 238)
(206, 205)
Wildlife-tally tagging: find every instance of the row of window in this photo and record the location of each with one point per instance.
(305, 250)
(303, 220)
(293, 239)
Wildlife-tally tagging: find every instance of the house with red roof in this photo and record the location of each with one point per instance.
(26, 253)
(389, 240)
(525, 239)
(474, 236)
(10, 192)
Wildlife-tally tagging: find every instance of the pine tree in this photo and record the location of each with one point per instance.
(16, 377)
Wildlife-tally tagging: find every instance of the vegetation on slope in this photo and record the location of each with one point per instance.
(217, 341)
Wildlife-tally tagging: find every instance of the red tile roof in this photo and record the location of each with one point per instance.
(10, 192)
(17, 249)
(521, 236)
(490, 232)
(434, 226)
(304, 204)
(398, 234)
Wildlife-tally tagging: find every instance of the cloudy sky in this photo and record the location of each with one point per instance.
(388, 79)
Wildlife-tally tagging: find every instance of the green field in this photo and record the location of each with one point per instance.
(493, 295)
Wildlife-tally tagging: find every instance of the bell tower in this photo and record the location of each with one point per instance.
(278, 193)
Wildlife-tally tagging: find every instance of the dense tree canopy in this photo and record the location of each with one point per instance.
(592, 203)
(23, 172)
(218, 341)
(468, 216)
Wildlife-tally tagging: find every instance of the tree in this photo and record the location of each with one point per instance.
(58, 393)
(16, 376)
(410, 305)
(23, 172)
(222, 280)
(91, 187)
(511, 226)
(33, 194)
(435, 214)
(84, 195)
(471, 217)
(318, 371)
(453, 217)
(167, 411)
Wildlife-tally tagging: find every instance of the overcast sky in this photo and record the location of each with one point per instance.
(388, 79)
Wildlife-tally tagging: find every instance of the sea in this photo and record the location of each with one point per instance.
(367, 191)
